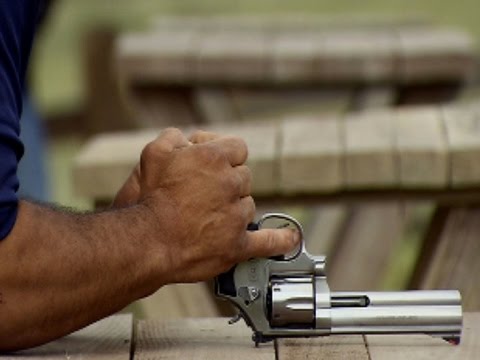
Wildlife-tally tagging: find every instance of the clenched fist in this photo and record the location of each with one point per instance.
(196, 195)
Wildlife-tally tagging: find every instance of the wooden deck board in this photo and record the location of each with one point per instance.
(311, 155)
(455, 261)
(332, 348)
(208, 339)
(109, 338)
(251, 54)
(369, 150)
(421, 146)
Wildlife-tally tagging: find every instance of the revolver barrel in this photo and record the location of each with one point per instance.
(295, 304)
(437, 313)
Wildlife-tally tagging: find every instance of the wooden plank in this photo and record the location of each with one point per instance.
(104, 164)
(233, 57)
(422, 147)
(373, 97)
(278, 103)
(389, 347)
(148, 57)
(434, 54)
(362, 257)
(369, 162)
(215, 105)
(428, 246)
(350, 347)
(369, 150)
(163, 107)
(310, 144)
(463, 133)
(457, 197)
(356, 56)
(455, 260)
(325, 228)
(109, 338)
(208, 339)
(178, 301)
(311, 155)
(293, 56)
(252, 54)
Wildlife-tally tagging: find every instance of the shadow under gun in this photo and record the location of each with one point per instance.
(289, 296)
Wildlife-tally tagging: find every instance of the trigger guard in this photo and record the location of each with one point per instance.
(301, 247)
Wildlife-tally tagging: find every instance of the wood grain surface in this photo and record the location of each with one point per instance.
(455, 263)
(250, 53)
(332, 348)
(109, 338)
(209, 339)
(421, 146)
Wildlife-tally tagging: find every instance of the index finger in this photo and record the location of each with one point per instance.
(270, 242)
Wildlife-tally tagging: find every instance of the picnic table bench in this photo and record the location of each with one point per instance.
(120, 337)
(191, 70)
(427, 151)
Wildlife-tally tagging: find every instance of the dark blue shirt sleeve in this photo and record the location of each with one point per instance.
(18, 19)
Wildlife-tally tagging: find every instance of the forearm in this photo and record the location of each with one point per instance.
(61, 271)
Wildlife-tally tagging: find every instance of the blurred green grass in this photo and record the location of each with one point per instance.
(57, 70)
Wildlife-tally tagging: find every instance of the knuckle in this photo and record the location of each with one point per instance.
(171, 131)
(150, 151)
(197, 135)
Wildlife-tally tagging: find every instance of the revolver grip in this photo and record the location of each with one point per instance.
(225, 282)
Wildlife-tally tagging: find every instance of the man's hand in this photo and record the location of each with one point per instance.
(181, 217)
(198, 195)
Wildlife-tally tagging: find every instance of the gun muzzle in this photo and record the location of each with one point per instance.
(295, 304)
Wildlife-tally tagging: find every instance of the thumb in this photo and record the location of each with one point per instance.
(129, 193)
(271, 242)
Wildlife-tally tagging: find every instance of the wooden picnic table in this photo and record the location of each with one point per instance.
(373, 157)
(228, 72)
(120, 337)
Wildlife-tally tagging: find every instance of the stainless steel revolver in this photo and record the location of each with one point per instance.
(289, 296)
